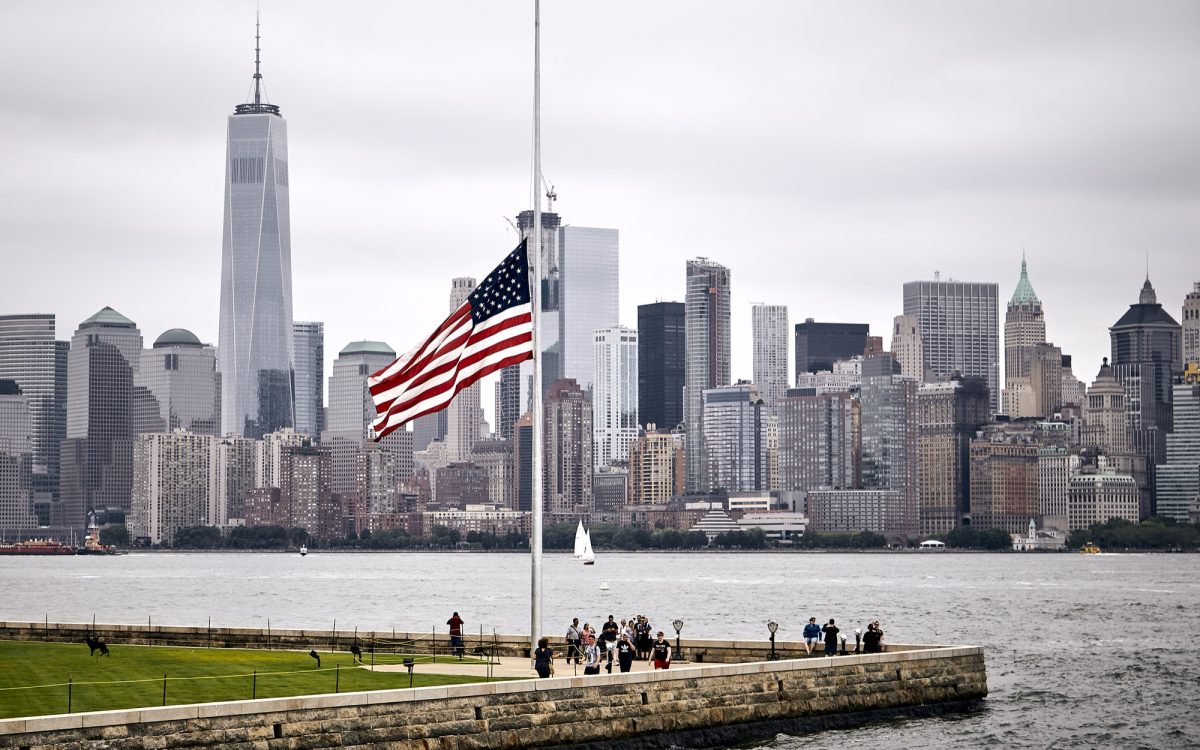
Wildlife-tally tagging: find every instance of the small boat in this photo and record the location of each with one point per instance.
(604, 585)
(579, 535)
(303, 550)
(588, 556)
(1090, 549)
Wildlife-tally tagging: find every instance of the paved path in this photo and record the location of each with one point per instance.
(511, 667)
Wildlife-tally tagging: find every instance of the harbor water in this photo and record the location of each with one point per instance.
(1083, 651)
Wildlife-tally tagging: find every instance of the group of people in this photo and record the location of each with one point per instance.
(623, 642)
(872, 640)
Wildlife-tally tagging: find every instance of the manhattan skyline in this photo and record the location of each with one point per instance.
(824, 155)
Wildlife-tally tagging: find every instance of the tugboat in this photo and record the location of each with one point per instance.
(1090, 549)
(91, 542)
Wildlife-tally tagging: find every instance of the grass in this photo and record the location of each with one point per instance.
(132, 676)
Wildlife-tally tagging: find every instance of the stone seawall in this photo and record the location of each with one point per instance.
(692, 650)
(696, 705)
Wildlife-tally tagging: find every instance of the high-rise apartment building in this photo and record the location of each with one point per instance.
(1190, 326)
(735, 439)
(308, 347)
(16, 461)
(522, 485)
(255, 340)
(906, 347)
(496, 458)
(1146, 352)
(769, 329)
(174, 485)
(177, 386)
(567, 463)
(304, 488)
(428, 429)
(706, 327)
(819, 345)
(959, 326)
(464, 414)
(268, 461)
(817, 440)
(590, 263)
(889, 428)
(949, 414)
(237, 474)
(662, 363)
(655, 469)
(614, 394)
(31, 357)
(1178, 480)
(97, 454)
(508, 401)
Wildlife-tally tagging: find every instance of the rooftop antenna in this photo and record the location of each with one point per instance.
(257, 74)
(551, 196)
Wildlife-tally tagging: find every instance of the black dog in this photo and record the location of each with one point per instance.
(356, 652)
(95, 644)
(316, 656)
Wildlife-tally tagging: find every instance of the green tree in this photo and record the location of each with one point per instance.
(116, 536)
(197, 537)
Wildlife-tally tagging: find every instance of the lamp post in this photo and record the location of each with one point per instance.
(772, 626)
(678, 625)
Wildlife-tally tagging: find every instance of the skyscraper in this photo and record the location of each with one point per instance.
(614, 394)
(817, 440)
(549, 302)
(255, 344)
(888, 404)
(179, 379)
(1178, 479)
(906, 347)
(97, 454)
(769, 328)
(351, 410)
(567, 467)
(661, 363)
(590, 294)
(655, 469)
(959, 326)
(819, 345)
(1191, 326)
(464, 414)
(174, 485)
(308, 346)
(1024, 329)
(1146, 351)
(508, 401)
(31, 357)
(706, 328)
(735, 439)
(16, 460)
(948, 416)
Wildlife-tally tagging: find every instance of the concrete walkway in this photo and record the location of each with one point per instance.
(510, 667)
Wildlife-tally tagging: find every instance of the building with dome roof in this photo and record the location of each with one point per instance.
(96, 457)
(1146, 352)
(176, 386)
(1032, 367)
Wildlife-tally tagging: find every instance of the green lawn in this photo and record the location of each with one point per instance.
(100, 683)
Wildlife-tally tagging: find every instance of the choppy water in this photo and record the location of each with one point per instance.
(1082, 651)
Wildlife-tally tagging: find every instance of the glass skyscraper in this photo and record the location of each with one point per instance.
(255, 344)
(177, 381)
(708, 363)
(614, 394)
(590, 295)
(308, 348)
(661, 364)
(31, 357)
(959, 323)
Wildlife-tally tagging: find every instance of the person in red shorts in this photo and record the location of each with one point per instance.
(661, 652)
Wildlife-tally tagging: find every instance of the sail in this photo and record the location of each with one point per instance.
(587, 555)
(579, 535)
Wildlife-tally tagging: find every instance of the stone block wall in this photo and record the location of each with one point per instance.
(696, 705)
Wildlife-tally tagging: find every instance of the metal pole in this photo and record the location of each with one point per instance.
(535, 258)
(333, 646)
(337, 678)
(164, 688)
(254, 686)
(70, 685)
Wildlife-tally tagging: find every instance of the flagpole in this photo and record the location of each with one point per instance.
(535, 284)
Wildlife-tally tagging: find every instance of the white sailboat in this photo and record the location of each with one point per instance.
(579, 536)
(587, 555)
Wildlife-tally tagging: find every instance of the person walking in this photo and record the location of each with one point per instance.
(661, 649)
(456, 639)
(543, 658)
(812, 635)
(609, 632)
(831, 636)
(591, 656)
(625, 652)
(644, 640)
(574, 641)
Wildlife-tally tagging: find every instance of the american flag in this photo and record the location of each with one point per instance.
(490, 331)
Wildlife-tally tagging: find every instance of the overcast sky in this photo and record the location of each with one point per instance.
(825, 152)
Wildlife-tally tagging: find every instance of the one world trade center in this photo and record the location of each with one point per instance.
(255, 346)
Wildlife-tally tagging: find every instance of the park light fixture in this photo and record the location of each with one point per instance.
(678, 625)
(772, 626)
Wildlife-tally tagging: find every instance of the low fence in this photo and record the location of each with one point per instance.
(432, 643)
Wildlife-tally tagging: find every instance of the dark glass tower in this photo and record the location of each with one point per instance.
(255, 345)
(819, 345)
(662, 363)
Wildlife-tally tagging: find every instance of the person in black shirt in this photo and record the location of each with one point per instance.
(661, 649)
(625, 652)
(871, 639)
(543, 658)
(608, 639)
(831, 635)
